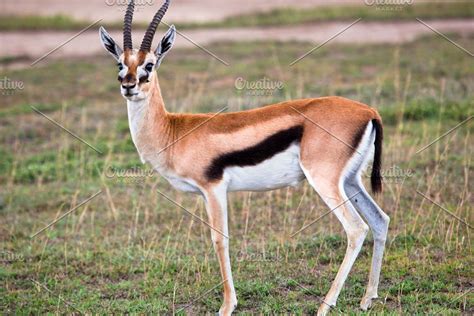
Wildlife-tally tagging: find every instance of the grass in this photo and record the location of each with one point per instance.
(276, 17)
(131, 251)
(292, 16)
(32, 22)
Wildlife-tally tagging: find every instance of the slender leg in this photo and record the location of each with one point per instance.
(356, 231)
(216, 206)
(378, 222)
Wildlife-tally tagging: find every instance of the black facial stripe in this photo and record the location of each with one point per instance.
(256, 154)
(144, 78)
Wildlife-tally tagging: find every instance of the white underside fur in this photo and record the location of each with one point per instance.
(280, 171)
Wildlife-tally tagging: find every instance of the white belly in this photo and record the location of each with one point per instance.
(279, 171)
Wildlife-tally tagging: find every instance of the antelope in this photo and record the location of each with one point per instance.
(329, 141)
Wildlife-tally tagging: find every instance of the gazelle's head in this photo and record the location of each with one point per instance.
(136, 67)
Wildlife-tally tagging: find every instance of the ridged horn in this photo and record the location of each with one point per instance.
(150, 32)
(127, 26)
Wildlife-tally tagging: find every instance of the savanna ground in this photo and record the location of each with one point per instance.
(14, 19)
(129, 250)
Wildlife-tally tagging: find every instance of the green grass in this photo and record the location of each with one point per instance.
(131, 251)
(276, 17)
(292, 16)
(32, 22)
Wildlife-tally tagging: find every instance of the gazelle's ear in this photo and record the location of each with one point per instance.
(165, 45)
(109, 44)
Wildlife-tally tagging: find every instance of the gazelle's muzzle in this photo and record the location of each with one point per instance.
(129, 86)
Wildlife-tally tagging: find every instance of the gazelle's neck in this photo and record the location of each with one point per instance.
(149, 125)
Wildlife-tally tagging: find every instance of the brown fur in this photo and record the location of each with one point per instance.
(132, 64)
(335, 117)
(328, 132)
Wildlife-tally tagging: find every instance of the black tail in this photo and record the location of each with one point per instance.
(376, 176)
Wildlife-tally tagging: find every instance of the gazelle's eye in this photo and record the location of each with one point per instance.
(120, 67)
(149, 67)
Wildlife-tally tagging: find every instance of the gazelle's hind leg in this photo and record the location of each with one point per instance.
(327, 186)
(378, 221)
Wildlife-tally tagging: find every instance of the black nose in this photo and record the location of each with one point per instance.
(129, 86)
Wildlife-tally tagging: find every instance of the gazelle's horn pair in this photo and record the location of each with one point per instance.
(150, 32)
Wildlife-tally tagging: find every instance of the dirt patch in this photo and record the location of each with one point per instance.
(36, 44)
(183, 10)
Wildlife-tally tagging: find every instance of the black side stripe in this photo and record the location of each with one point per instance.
(256, 154)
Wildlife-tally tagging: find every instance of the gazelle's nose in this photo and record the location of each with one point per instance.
(129, 82)
(128, 85)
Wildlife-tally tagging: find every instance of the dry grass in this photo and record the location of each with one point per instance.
(131, 251)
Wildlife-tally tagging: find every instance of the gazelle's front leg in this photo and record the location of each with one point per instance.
(216, 206)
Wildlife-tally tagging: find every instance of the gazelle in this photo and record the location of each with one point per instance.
(328, 141)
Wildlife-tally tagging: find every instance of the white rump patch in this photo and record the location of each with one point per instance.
(361, 157)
